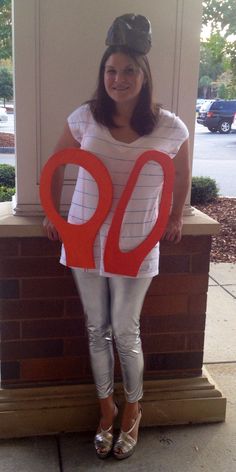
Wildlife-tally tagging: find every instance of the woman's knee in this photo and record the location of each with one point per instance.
(127, 342)
(99, 335)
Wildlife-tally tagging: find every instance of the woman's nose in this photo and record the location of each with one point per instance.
(120, 75)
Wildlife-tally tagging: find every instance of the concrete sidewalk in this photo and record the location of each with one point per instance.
(194, 448)
(220, 334)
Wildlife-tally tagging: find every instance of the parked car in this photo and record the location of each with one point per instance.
(3, 114)
(217, 115)
(233, 126)
(10, 109)
(199, 103)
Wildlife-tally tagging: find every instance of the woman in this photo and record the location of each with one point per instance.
(118, 125)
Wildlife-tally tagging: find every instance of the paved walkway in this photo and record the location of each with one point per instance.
(220, 335)
(196, 448)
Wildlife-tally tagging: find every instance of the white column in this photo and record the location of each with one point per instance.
(57, 50)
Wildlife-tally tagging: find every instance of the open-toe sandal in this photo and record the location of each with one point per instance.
(103, 440)
(125, 444)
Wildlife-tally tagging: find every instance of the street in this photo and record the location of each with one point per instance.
(214, 156)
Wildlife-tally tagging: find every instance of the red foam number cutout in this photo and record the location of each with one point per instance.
(128, 263)
(78, 239)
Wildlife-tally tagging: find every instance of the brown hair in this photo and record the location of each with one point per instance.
(145, 114)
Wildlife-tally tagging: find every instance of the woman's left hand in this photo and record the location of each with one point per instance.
(173, 231)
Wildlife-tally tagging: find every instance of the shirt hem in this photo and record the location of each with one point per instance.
(109, 274)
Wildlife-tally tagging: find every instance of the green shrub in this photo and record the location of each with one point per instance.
(204, 190)
(6, 194)
(7, 176)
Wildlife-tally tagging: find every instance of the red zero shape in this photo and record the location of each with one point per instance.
(78, 239)
(128, 263)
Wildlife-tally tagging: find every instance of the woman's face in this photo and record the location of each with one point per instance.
(123, 79)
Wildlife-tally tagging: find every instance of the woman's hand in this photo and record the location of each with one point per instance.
(173, 231)
(50, 230)
(65, 141)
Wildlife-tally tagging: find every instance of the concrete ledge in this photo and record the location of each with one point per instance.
(18, 226)
(31, 226)
(200, 224)
(39, 411)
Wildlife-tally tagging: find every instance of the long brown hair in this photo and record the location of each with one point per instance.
(145, 114)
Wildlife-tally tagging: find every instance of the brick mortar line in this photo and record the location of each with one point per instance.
(172, 333)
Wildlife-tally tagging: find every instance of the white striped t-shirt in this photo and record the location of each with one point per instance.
(119, 158)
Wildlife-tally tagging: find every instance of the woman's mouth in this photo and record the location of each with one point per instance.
(118, 89)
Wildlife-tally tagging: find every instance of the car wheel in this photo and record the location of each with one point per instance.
(213, 130)
(224, 127)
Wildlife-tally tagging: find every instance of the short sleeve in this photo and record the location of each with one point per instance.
(181, 128)
(173, 131)
(78, 121)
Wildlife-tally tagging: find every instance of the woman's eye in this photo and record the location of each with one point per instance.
(111, 72)
(129, 71)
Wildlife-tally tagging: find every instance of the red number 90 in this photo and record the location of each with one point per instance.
(79, 239)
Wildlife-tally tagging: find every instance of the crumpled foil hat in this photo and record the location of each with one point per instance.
(132, 31)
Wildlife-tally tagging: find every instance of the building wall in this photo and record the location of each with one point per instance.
(43, 337)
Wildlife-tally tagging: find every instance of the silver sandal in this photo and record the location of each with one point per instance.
(125, 444)
(103, 440)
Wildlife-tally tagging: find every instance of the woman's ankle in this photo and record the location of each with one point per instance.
(131, 408)
(130, 414)
(108, 411)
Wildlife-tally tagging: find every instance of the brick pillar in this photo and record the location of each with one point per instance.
(43, 338)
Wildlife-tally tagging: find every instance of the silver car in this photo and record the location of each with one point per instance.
(3, 114)
(233, 126)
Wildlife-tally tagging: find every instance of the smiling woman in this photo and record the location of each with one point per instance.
(123, 80)
(117, 125)
(133, 93)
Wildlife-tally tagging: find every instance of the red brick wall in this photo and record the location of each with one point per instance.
(43, 338)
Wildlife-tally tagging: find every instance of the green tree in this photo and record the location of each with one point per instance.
(5, 29)
(220, 16)
(216, 44)
(212, 59)
(225, 86)
(205, 82)
(222, 91)
(6, 85)
(231, 50)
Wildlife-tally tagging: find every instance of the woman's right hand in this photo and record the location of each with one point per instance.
(66, 141)
(50, 230)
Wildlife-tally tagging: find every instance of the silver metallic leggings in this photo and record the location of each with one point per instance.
(112, 307)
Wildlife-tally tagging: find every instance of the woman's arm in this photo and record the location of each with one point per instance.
(66, 141)
(181, 161)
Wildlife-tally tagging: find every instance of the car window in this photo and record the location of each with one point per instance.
(228, 106)
(206, 106)
(217, 106)
(231, 105)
